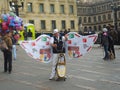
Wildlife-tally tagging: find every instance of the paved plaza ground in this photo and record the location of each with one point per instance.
(90, 72)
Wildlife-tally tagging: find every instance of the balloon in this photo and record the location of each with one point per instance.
(5, 17)
(11, 28)
(17, 19)
(17, 25)
(9, 18)
(12, 14)
(19, 28)
(4, 26)
(12, 23)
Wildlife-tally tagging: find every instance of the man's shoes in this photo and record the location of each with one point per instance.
(9, 72)
(5, 71)
(51, 78)
(105, 59)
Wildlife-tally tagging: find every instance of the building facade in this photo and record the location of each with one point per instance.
(47, 15)
(4, 6)
(97, 13)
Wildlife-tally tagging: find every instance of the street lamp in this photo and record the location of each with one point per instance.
(16, 4)
(115, 8)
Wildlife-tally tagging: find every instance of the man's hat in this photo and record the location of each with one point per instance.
(105, 30)
(55, 31)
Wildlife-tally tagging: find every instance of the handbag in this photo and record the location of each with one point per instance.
(3, 45)
(111, 55)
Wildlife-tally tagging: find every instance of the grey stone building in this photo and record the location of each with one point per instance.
(95, 14)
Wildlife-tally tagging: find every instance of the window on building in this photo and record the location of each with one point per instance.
(89, 19)
(85, 29)
(99, 18)
(95, 28)
(107, 6)
(62, 9)
(89, 11)
(109, 17)
(94, 18)
(80, 20)
(52, 8)
(119, 15)
(99, 28)
(53, 24)
(63, 24)
(41, 8)
(71, 10)
(43, 25)
(31, 21)
(85, 19)
(104, 17)
(94, 10)
(103, 8)
(72, 24)
(81, 10)
(29, 7)
(104, 26)
(84, 10)
(99, 9)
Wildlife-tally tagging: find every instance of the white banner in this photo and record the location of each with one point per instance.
(78, 45)
(39, 48)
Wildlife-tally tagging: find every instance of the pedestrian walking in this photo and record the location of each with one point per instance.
(113, 37)
(105, 43)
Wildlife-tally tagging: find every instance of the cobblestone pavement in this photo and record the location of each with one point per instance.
(90, 72)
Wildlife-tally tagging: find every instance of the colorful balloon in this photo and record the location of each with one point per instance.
(4, 26)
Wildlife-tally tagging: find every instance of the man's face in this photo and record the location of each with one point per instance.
(10, 34)
(56, 34)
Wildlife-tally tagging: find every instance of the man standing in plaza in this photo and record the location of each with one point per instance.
(8, 52)
(57, 43)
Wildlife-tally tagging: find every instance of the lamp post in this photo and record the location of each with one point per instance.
(16, 4)
(115, 8)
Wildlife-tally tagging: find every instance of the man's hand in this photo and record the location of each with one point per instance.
(54, 45)
(66, 37)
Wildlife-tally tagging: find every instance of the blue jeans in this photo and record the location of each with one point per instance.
(14, 51)
(106, 52)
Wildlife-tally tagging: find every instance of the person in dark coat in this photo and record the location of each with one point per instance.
(113, 37)
(8, 52)
(105, 43)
